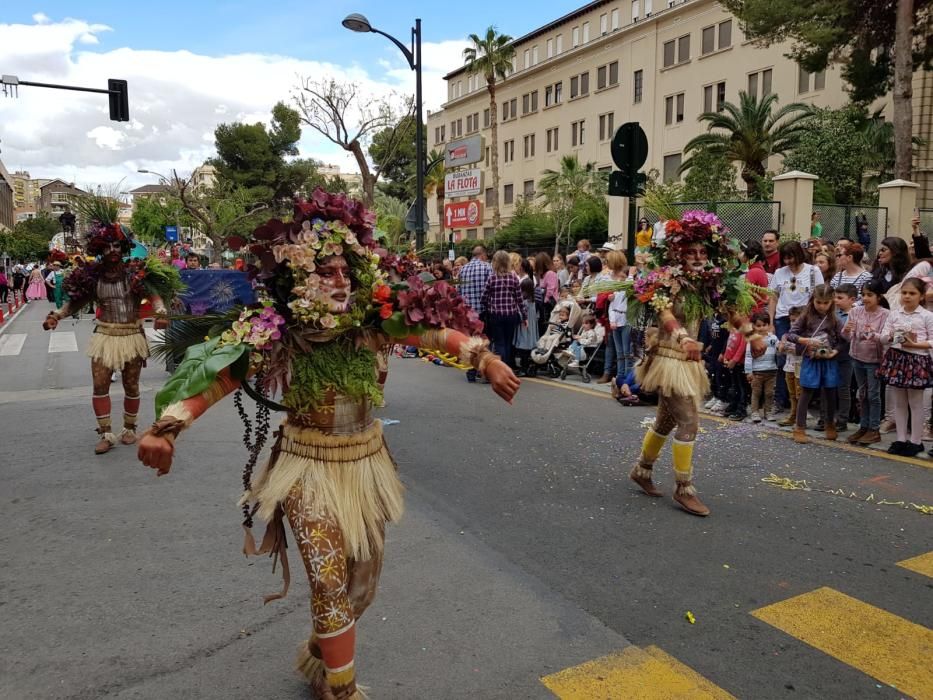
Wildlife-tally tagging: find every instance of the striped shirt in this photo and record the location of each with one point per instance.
(859, 280)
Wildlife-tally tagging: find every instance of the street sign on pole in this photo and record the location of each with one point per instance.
(171, 234)
(467, 214)
(463, 183)
(411, 218)
(464, 151)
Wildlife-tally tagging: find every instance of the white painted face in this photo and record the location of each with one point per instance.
(695, 257)
(335, 283)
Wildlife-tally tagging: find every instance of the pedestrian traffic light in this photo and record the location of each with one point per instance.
(119, 100)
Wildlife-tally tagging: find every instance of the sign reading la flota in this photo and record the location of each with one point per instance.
(463, 183)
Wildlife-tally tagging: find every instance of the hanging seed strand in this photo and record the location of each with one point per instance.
(254, 440)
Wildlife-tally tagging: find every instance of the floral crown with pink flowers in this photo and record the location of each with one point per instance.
(698, 227)
(104, 236)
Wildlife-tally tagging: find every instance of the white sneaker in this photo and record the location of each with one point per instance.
(709, 404)
(720, 405)
(756, 417)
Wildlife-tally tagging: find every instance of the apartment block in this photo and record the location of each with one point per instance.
(578, 78)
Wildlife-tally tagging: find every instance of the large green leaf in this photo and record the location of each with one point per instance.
(395, 326)
(198, 371)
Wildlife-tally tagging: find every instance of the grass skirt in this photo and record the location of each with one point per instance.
(351, 478)
(667, 371)
(115, 344)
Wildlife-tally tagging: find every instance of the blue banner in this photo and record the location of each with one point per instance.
(215, 291)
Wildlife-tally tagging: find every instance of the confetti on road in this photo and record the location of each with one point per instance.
(690, 618)
(788, 484)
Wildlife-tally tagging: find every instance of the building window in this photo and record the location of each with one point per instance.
(529, 144)
(606, 125)
(725, 34)
(604, 24)
(459, 88)
(534, 55)
(586, 32)
(560, 43)
(558, 91)
(669, 49)
(550, 48)
(471, 234)
(576, 37)
(671, 166)
(508, 194)
(552, 94)
(527, 58)
(580, 85)
(551, 137)
(577, 133)
(488, 232)
(674, 109)
(489, 196)
(683, 49)
(634, 10)
(487, 156)
(647, 8)
(638, 79)
(469, 123)
(714, 96)
(528, 189)
(819, 80)
(709, 40)
(614, 19)
(526, 103)
(513, 107)
(486, 118)
(508, 151)
(803, 80)
(766, 82)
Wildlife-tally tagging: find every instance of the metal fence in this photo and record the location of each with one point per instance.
(841, 221)
(745, 220)
(926, 221)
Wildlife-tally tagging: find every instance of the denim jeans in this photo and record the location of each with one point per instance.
(869, 393)
(501, 330)
(610, 357)
(622, 341)
(781, 397)
(844, 389)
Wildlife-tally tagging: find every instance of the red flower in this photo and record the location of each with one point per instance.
(385, 311)
(382, 293)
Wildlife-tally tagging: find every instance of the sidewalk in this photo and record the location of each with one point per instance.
(575, 382)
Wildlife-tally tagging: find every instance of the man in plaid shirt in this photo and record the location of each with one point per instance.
(473, 277)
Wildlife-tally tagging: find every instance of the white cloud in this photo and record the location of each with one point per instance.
(40, 18)
(177, 98)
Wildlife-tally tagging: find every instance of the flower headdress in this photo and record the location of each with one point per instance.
(102, 237)
(697, 227)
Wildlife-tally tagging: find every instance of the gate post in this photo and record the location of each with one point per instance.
(794, 191)
(900, 198)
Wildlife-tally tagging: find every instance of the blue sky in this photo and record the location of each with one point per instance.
(308, 30)
(192, 65)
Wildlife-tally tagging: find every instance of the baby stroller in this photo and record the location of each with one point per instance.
(591, 354)
(557, 338)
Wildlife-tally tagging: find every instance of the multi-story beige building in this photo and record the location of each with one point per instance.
(7, 195)
(25, 195)
(575, 80)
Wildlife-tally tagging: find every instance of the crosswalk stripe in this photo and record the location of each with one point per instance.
(633, 674)
(63, 341)
(922, 564)
(881, 644)
(11, 344)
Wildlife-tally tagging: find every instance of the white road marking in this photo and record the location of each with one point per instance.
(63, 341)
(11, 344)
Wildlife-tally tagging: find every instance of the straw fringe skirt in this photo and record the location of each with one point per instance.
(668, 372)
(115, 344)
(351, 478)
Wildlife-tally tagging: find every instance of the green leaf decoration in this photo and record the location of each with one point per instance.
(396, 327)
(198, 371)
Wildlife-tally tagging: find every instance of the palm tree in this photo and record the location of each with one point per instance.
(750, 134)
(492, 57)
(561, 189)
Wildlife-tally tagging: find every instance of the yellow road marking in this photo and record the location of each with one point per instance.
(881, 644)
(839, 445)
(922, 564)
(633, 674)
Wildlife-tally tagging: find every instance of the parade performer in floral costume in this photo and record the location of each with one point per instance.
(691, 273)
(328, 310)
(119, 342)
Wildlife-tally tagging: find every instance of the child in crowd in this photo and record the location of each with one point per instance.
(762, 370)
(526, 335)
(733, 359)
(791, 368)
(817, 335)
(863, 331)
(713, 337)
(907, 366)
(845, 298)
(586, 338)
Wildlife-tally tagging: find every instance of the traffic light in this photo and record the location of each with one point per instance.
(119, 100)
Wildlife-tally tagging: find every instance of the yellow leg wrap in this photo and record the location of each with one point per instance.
(651, 447)
(682, 453)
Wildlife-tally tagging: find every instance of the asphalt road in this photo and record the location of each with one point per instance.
(524, 549)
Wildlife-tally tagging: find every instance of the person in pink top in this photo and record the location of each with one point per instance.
(907, 366)
(863, 330)
(547, 290)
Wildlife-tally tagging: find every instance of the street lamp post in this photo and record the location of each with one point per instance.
(358, 23)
